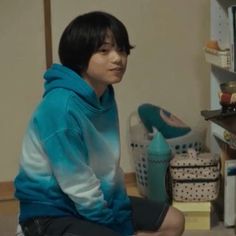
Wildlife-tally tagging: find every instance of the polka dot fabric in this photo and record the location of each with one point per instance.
(195, 177)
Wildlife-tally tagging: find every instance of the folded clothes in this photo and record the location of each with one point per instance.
(156, 117)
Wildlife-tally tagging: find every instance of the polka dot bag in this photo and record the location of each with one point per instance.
(195, 177)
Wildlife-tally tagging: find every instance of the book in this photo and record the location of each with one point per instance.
(192, 206)
(232, 35)
(197, 214)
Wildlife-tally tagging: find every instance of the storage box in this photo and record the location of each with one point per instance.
(218, 58)
(197, 214)
(195, 177)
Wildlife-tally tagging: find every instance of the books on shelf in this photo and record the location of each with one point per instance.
(192, 206)
(232, 35)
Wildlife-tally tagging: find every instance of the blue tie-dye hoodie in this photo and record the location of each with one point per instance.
(70, 156)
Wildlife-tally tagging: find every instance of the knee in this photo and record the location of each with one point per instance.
(174, 222)
(179, 223)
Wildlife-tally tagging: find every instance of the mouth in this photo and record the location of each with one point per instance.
(117, 69)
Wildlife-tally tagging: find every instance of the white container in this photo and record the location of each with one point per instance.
(218, 58)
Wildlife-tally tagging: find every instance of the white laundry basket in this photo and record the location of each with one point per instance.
(139, 139)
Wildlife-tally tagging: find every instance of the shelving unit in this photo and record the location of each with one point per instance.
(219, 32)
(220, 122)
(227, 122)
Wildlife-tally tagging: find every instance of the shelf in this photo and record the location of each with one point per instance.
(227, 121)
(225, 70)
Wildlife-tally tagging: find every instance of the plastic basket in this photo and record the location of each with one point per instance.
(139, 139)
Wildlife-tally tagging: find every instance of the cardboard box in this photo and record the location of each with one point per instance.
(197, 214)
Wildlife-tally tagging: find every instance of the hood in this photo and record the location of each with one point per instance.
(59, 76)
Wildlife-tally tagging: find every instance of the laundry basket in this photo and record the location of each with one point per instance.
(139, 139)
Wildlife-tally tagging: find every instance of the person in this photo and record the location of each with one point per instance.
(69, 180)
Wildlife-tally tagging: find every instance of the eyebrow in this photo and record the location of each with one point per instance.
(107, 43)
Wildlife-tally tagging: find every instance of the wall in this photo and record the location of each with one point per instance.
(21, 64)
(166, 68)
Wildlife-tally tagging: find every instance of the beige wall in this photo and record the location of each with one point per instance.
(166, 68)
(21, 64)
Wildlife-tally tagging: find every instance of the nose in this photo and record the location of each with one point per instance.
(116, 56)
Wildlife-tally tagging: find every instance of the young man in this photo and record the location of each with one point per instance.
(70, 182)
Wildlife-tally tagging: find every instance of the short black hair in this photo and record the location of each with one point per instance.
(85, 35)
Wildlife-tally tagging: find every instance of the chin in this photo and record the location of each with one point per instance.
(115, 81)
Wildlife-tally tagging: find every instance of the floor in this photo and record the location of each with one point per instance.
(8, 220)
(8, 225)
(218, 230)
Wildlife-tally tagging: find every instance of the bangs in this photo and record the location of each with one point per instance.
(121, 38)
(100, 30)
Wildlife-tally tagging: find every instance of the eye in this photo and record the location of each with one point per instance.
(103, 50)
(121, 50)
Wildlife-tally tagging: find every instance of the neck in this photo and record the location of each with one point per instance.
(98, 88)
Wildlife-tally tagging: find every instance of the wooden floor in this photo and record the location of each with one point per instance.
(8, 217)
(9, 209)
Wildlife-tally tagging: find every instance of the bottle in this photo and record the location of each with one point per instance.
(159, 156)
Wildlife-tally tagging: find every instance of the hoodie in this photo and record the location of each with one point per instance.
(70, 155)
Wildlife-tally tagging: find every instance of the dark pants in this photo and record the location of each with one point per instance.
(65, 226)
(147, 216)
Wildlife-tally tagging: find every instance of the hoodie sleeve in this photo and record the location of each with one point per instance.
(67, 156)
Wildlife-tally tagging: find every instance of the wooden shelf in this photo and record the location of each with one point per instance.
(227, 121)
